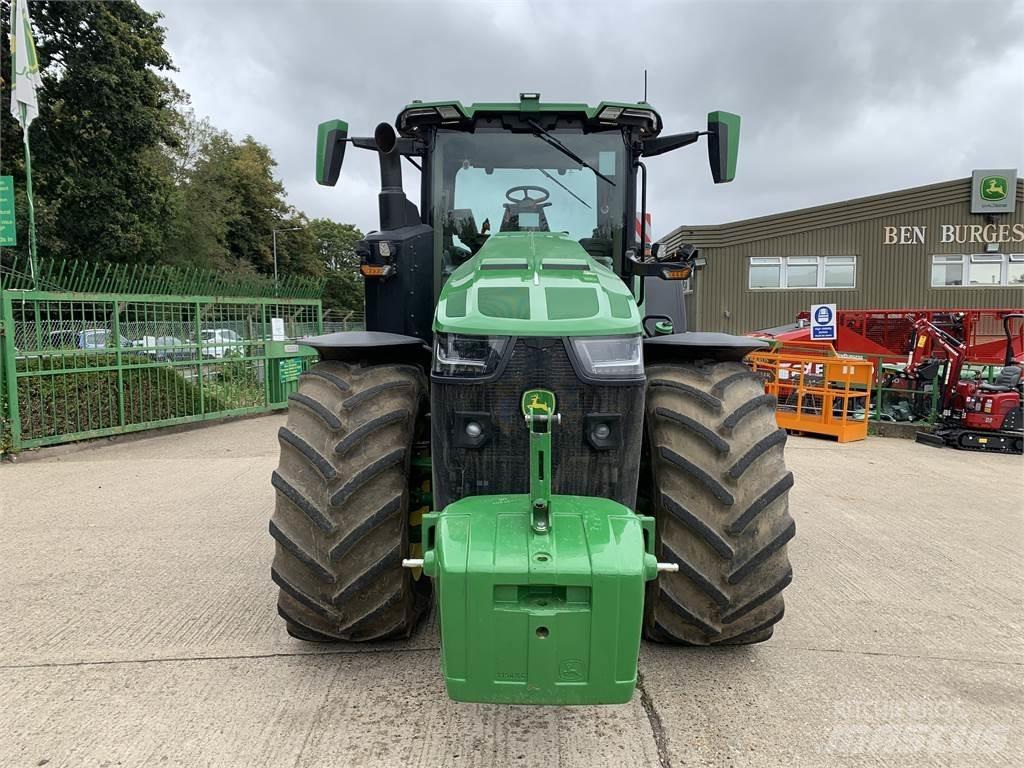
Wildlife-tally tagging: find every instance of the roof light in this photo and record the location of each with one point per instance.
(449, 113)
(421, 112)
(529, 97)
(610, 113)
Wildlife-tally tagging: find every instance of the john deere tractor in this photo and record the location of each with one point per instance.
(523, 435)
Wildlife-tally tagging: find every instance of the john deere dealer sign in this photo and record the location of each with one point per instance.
(8, 232)
(994, 191)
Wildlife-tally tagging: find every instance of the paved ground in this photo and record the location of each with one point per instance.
(138, 628)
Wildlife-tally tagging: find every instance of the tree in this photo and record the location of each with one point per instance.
(125, 171)
(343, 291)
(105, 118)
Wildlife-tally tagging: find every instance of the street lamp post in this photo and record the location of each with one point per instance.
(286, 229)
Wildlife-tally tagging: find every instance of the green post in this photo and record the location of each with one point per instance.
(266, 354)
(199, 347)
(11, 367)
(31, 206)
(116, 327)
(878, 389)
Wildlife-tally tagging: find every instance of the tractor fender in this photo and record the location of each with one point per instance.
(370, 346)
(700, 346)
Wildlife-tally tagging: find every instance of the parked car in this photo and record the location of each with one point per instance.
(169, 348)
(90, 338)
(221, 343)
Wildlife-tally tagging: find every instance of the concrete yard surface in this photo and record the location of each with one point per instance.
(138, 627)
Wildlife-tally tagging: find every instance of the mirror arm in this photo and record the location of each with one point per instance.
(402, 146)
(663, 144)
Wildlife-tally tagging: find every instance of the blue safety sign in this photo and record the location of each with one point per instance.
(823, 322)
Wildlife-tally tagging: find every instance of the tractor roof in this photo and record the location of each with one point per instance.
(453, 114)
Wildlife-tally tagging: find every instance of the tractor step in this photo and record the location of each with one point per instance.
(550, 617)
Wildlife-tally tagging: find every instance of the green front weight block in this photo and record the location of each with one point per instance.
(539, 618)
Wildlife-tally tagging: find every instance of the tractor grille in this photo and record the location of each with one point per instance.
(501, 464)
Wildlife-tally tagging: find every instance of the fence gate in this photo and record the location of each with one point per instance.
(79, 365)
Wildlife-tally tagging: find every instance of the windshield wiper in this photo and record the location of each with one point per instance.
(541, 133)
(564, 187)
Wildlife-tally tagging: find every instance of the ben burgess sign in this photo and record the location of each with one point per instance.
(954, 233)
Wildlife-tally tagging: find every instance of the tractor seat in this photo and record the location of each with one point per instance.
(524, 218)
(1007, 379)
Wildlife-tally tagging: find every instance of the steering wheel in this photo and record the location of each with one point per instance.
(526, 199)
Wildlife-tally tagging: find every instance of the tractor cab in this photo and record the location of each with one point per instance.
(494, 169)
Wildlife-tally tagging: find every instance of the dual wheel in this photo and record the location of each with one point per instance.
(717, 485)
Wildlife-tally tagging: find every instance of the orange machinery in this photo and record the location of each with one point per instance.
(818, 390)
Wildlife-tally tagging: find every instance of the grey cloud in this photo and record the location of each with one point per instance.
(839, 99)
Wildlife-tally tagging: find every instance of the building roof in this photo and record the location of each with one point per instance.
(828, 215)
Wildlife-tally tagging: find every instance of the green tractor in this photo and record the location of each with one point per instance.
(596, 473)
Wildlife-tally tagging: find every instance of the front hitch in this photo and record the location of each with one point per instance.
(540, 595)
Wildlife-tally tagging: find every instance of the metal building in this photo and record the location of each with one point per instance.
(954, 244)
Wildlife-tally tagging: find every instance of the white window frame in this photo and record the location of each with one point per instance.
(766, 261)
(1014, 258)
(966, 260)
(782, 262)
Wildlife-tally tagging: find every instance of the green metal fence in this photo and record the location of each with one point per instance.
(77, 365)
(893, 400)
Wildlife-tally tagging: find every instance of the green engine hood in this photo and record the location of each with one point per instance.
(535, 284)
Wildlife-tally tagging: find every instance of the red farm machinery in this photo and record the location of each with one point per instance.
(927, 369)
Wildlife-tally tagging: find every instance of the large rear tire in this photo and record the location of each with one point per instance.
(719, 491)
(341, 519)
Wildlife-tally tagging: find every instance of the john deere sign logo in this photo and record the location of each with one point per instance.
(993, 190)
(538, 402)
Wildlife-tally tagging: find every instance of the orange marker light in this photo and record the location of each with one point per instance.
(676, 274)
(374, 270)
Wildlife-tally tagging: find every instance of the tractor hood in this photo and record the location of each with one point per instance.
(535, 284)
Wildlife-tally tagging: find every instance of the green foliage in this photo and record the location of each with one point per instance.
(125, 172)
(5, 427)
(104, 117)
(236, 385)
(85, 396)
(343, 291)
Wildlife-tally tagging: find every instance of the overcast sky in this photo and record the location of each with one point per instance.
(839, 99)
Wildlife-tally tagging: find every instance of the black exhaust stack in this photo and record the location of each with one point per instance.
(396, 211)
(398, 261)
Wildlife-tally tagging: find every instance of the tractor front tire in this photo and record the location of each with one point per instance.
(719, 490)
(341, 519)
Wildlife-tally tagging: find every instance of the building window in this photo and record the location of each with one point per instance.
(809, 272)
(978, 269)
(765, 273)
(840, 272)
(1015, 269)
(947, 270)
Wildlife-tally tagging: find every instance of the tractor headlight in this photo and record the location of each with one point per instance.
(609, 357)
(457, 355)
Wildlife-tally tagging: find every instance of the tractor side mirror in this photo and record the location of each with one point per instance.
(723, 145)
(330, 150)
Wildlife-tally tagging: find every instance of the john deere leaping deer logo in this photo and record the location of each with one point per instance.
(538, 402)
(993, 188)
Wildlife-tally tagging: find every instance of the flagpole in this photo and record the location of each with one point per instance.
(31, 205)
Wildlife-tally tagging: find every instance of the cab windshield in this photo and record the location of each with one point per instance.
(498, 181)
